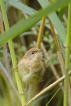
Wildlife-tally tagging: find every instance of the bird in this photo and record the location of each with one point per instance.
(31, 67)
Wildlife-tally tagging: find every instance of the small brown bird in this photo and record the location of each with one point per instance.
(32, 67)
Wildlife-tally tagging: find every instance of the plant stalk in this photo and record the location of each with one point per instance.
(13, 57)
(67, 57)
(40, 32)
(46, 89)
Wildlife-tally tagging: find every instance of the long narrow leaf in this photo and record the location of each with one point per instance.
(24, 25)
(21, 6)
(57, 24)
(55, 20)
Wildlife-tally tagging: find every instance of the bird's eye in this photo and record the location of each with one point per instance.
(32, 52)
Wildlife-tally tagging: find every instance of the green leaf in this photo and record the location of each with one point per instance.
(19, 5)
(56, 22)
(24, 25)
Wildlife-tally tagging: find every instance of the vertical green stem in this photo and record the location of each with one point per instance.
(13, 57)
(67, 57)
